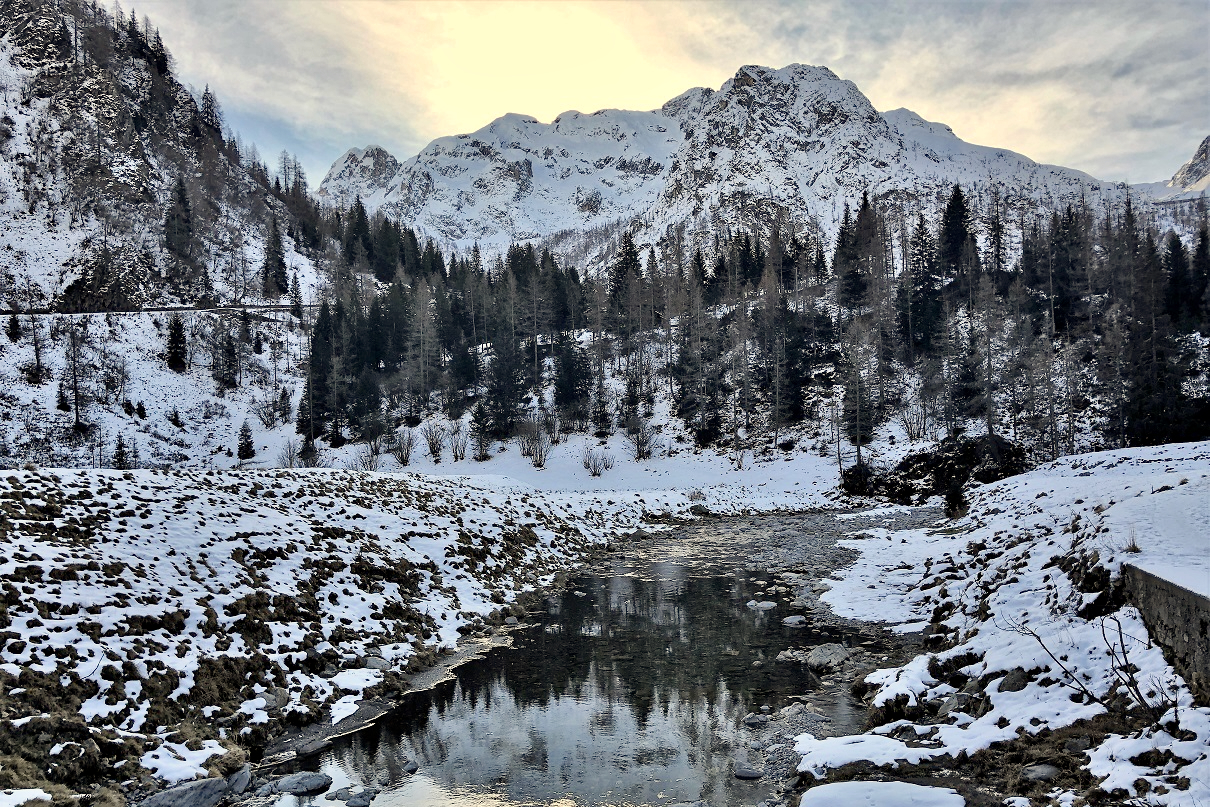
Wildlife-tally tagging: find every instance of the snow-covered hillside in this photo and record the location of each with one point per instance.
(93, 136)
(1021, 594)
(796, 142)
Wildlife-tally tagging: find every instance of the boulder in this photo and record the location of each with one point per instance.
(796, 621)
(959, 701)
(411, 766)
(375, 663)
(362, 799)
(1015, 681)
(747, 773)
(756, 720)
(240, 781)
(1041, 772)
(198, 793)
(298, 784)
(827, 657)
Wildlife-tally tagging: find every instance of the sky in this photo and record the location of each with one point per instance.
(1120, 90)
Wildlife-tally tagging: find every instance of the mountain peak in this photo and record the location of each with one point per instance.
(786, 144)
(1194, 175)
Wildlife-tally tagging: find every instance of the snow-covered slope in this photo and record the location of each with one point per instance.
(1193, 178)
(796, 142)
(92, 139)
(1022, 591)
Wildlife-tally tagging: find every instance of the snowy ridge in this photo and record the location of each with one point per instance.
(795, 142)
(1003, 586)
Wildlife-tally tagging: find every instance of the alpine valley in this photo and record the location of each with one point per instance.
(278, 459)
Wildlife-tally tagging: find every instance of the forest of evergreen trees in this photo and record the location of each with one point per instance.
(1087, 336)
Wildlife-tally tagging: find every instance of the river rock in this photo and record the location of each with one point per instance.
(362, 799)
(756, 720)
(747, 773)
(1041, 772)
(827, 657)
(1078, 745)
(411, 766)
(313, 747)
(199, 793)
(298, 784)
(1015, 681)
(511, 620)
(796, 621)
(959, 701)
(240, 781)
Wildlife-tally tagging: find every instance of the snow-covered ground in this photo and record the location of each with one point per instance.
(999, 585)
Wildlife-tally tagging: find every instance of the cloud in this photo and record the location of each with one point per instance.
(1114, 88)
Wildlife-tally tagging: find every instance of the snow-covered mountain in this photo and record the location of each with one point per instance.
(1194, 176)
(794, 143)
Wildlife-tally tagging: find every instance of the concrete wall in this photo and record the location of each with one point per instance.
(1179, 621)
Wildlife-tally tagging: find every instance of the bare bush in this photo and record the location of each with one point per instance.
(434, 439)
(364, 460)
(403, 446)
(458, 440)
(288, 456)
(267, 412)
(641, 438)
(596, 462)
(539, 449)
(527, 430)
(552, 425)
(914, 420)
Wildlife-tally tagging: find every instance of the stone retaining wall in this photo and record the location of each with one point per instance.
(1179, 621)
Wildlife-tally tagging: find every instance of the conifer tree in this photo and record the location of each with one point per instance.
(245, 450)
(273, 272)
(176, 353)
(178, 222)
(14, 327)
(296, 304)
(120, 461)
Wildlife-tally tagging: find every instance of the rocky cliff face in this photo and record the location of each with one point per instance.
(1194, 176)
(792, 145)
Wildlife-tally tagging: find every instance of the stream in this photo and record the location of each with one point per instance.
(632, 685)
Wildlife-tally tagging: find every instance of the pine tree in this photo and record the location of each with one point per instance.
(245, 450)
(178, 222)
(212, 116)
(120, 461)
(14, 327)
(296, 309)
(177, 353)
(273, 273)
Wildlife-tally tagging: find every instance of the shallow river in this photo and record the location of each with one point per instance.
(630, 688)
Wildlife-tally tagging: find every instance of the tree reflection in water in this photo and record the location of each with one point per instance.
(631, 694)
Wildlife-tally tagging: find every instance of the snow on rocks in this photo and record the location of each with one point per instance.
(1021, 609)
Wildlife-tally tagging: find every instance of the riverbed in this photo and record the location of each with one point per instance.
(652, 678)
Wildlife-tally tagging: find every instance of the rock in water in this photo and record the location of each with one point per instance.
(199, 793)
(747, 773)
(827, 657)
(298, 784)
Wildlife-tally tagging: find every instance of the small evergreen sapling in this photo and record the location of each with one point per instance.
(245, 450)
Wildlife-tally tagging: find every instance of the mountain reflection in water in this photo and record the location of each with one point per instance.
(629, 689)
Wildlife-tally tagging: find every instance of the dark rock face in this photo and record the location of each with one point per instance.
(950, 466)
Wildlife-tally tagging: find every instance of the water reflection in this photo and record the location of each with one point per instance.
(629, 689)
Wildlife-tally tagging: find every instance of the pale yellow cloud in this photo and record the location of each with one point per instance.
(1100, 86)
(468, 63)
